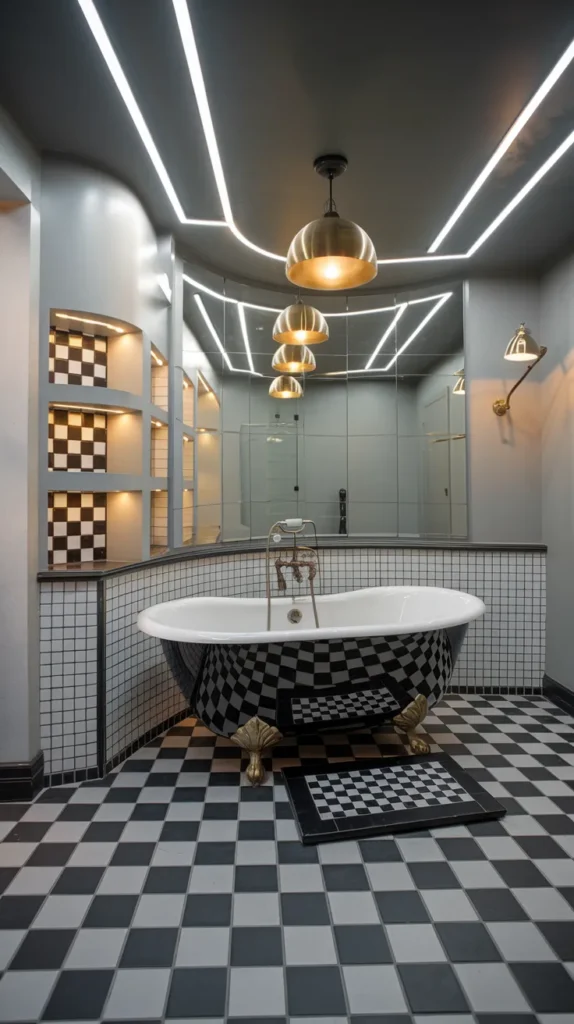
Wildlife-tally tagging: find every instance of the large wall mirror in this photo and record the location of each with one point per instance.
(376, 445)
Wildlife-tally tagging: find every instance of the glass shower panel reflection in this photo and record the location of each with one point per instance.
(269, 474)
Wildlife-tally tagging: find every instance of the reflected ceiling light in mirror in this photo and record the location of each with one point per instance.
(512, 133)
(442, 299)
(211, 329)
(300, 324)
(86, 320)
(388, 332)
(285, 387)
(242, 321)
(331, 252)
(522, 347)
(294, 359)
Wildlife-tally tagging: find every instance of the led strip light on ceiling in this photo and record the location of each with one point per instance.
(444, 298)
(194, 66)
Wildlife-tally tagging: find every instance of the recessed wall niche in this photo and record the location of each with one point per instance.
(76, 527)
(76, 358)
(77, 441)
(158, 524)
(159, 449)
(159, 380)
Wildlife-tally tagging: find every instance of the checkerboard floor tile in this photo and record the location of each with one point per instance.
(172, 891)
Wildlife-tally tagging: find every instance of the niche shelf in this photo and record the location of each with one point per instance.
(90, 527)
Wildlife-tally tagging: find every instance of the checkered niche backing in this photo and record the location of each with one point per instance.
(76, 527)
(77, 441)
(76, 358)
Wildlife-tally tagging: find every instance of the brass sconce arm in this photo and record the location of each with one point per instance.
(502, 405)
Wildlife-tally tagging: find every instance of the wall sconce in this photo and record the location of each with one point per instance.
(520, 349)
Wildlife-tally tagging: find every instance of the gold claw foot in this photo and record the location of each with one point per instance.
(407, 721)
(256, 736)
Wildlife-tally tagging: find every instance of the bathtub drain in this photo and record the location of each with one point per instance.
(294, 615)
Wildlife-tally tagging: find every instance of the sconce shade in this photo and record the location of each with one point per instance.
(285, 387)
(294, 359)
(459, 388)
(331, 253)
(522, 347)
(300, 325)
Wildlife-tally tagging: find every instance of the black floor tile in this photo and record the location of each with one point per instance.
(150, 947)
(540, 847)
(256, 947)
(379, 851)
(506, 1018)
(432, 988)
(256, 830)
(467, 942)
(44, 949)
(362, 944)
(401, 907)
(345, 877)
(78, 995)
(548, 987)
(166, 880)
(132, 854)
(149, 812)
(496, 905)
(220, 812)
(78, 812)
(47, 855)
(433, 875)
(28, 832)
(215, 853)
(315, 991)
(78, 881)
(520, 874)
(203, 988)
(189, 794)
(560, 935)
(296, 853)
(179, 832)
(19, 911)
(207, 910)
(110, 912)
(6, 876)
(556, 824)
(304, 908)
(460, 849)
(57, 795)
(256, 878)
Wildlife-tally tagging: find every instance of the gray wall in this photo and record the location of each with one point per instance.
(19, 284)
(503, 452)
(557, 463)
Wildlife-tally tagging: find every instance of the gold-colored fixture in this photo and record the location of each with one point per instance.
(521, 348)
(300, 324)
(255, 737)
(460, 386)
(331, 252)
(294, 359)
(407, 721)
(285, 387)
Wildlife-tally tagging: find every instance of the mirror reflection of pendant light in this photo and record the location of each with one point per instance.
(294, 359)
(522, 347)
(460, 386)
(331, 252)
(300, 324)
(285, 387)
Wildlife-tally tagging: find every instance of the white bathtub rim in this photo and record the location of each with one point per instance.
(467, 608)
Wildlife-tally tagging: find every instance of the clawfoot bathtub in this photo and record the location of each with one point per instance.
(380, 654)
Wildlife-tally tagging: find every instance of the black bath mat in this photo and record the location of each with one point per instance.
(397, 794)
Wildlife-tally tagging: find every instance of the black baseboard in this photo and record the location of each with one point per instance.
(559, 694)
(22, 780)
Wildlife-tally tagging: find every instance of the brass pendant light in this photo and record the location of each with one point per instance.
(331, 253)
(300, 324)
(285, 387)
(294, 359)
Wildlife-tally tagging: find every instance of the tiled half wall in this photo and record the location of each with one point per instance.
(89, 637)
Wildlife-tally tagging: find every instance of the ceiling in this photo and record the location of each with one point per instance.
(416, 95)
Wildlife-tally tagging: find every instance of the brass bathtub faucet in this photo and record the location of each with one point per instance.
(296, 566)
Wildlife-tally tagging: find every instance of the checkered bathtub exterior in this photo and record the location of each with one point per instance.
(503, 652)
(316, 684)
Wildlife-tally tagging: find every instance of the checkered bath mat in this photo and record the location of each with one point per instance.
(401, 794)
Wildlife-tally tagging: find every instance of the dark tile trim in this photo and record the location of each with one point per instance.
(559, 694)
(22, 780)
(255, 547)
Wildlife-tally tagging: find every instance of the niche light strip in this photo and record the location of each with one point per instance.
(198, 83)
(503, 147)
(85, 320)
(242, 321)
(89, 408)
